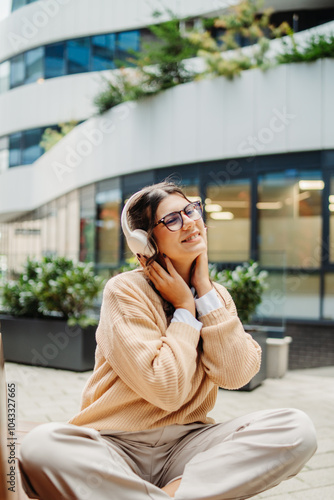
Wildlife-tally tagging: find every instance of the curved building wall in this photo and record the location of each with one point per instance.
(52, 20)
(257, 114)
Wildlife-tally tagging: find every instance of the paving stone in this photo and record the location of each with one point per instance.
(319, 477)
(46, 394)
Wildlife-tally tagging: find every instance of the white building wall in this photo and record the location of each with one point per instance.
(48, 21)
(289, 108)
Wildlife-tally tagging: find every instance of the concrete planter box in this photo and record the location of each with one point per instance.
(277, 356)
(259, 334)
(48, 342)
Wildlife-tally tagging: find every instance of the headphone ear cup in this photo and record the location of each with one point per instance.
(137, 241)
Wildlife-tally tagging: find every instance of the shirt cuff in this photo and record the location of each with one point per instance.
(185, 316)
(207, 303)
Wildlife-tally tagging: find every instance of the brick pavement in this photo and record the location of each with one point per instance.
(46, 394)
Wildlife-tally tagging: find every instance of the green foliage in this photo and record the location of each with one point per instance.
(159, 66)
(50, 136)
(243, 21)
(53, 287)
(167, 56)
(126, 85)
(316, 47)
(246, 284)
(129, 265)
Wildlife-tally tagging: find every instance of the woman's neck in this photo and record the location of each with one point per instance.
(183, 270)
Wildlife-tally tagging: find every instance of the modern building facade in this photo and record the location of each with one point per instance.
(258, 150)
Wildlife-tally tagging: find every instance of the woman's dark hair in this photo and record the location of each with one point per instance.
(142, 212)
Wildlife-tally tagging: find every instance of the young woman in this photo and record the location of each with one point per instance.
(167, 339)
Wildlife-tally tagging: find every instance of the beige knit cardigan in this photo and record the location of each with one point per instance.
(149, 373)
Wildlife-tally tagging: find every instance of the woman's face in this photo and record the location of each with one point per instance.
(188, 242)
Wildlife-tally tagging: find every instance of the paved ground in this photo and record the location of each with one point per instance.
(46, 395)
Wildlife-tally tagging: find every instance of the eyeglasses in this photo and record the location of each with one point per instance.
(174, 220)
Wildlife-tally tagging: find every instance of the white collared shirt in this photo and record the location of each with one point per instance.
(205, 304)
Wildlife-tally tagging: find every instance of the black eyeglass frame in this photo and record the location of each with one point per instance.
(198, 206)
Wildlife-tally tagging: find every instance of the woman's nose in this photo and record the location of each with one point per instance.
(187, 221)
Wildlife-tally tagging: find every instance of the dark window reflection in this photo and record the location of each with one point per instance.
(103, 52)
(55, 60)
(31, 148)
(17, 71)
(127, 42)
(15, 149)
(78, 55)
(34, 65)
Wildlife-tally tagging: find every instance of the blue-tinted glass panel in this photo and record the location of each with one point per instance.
(55, 60)
(34, 65)
(17, 4)
(103, 52)
(4, 76)
(17, 71)
(126, 43)
(31, 148)
(4, 153)
(78, 55)
(15, 149)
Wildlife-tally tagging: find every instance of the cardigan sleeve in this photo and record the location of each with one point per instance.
(231, 357)
(155, 361)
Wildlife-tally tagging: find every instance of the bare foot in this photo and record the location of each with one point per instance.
(171, 488)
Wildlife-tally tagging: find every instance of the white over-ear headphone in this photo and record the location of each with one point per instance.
(138, 238)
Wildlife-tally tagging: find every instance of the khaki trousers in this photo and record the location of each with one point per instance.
(232, 460)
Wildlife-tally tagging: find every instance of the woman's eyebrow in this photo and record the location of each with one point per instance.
(173, 211)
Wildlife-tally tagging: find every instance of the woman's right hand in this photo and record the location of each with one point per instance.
(170, 284)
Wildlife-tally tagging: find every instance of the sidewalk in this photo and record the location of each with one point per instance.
(45, 394)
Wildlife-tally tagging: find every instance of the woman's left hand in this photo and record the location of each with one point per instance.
(200, 274)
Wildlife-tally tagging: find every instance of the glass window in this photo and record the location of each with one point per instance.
(227, 208)
(72, 224)
(108, 201)
(17, 71)
(17, 4)
(126, 43)
(103, 52)
(87, 224)
(78, 55)
(4, 154)
(34, 60)
(302, 295)
(331, 221)
(15, 149)
(31, 148)
(4, 76)
(55, 60)
(274, 298)
(289, 214)
(329, 296)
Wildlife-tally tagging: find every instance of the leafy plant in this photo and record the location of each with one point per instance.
(243, 22)
(53, 287)
(159, 66)
(316, 47)
(51, 136)
(126, 85)
(246, 283)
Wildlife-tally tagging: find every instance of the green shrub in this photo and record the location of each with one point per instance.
(246, 285)
(316, 47)
(51, 136)
(53, 287)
